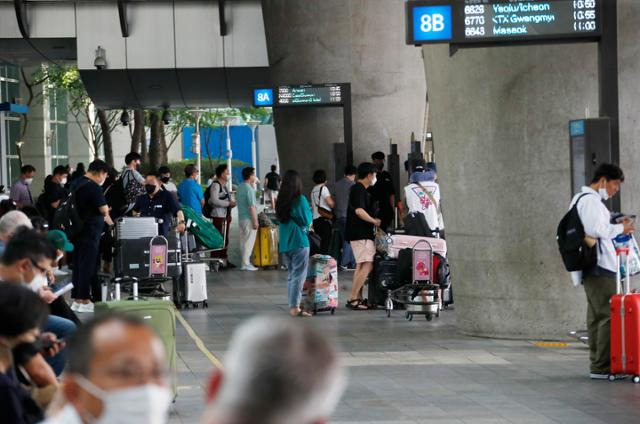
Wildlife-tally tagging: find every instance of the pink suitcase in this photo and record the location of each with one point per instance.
(400, 242)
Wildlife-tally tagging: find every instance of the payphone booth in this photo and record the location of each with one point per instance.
(590, 147)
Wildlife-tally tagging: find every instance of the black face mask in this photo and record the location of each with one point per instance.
(150, 188)
(164, 179)
(380, 166)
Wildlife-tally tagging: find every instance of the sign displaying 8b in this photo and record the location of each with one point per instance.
(432, 23)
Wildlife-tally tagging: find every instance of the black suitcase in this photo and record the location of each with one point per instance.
(132, 259)
(382, 279)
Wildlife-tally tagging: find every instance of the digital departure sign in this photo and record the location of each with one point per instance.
(300, 95)
(501, 21)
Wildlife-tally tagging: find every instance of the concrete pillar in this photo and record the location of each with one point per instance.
(500, 118)
(356, 41)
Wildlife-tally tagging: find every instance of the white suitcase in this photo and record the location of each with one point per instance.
(128, 228)
(194, 278)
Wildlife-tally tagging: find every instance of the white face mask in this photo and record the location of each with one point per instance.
(63, 181)
(148, 403)
(28, 181)
(59, 257)
(39, 281)
(375, 180)
(603, 193)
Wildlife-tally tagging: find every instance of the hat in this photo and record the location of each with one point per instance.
(59, 240)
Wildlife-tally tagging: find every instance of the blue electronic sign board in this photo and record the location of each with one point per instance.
(432, 23)
(263, 97)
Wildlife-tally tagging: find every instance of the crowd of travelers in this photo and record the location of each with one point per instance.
(57, 368)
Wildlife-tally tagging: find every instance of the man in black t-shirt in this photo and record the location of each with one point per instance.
(54, 192)
(272, 186)
(159, 204)
(94, 212)
(383, 192)
(360, 232)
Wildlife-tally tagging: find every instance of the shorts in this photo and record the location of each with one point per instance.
(363, 250)
(270, 195)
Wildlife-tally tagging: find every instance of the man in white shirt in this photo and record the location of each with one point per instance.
(600, 282)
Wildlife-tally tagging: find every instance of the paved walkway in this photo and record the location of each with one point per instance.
(412, 372)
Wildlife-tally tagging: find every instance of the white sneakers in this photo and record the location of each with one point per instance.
(595, 376)
(82, 307)
(248, 268)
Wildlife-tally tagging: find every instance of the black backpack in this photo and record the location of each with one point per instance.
(67, 218)
(114, 194)
(576, 254)
(207, 208)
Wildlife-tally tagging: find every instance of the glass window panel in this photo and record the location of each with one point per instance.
(52, 105)
(14, 129)
(13, 72)
(62, 140)
(14, 170)
(61, 106)
(13, 91)
(3, 92)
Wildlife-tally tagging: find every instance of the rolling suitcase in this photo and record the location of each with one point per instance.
(132, 257)
(128, 228)
(320, 289)
(382, 279)
(625, 325)
(399, 242)
(191, 287)
(265, 251)
(159, 315)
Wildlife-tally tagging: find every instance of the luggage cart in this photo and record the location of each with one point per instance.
(421, 297)
(193, 252)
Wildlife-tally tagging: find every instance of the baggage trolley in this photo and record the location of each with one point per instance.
(200, 254)
(421, 297)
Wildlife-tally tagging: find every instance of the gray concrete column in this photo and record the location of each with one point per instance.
(500, 120)
(356, 41)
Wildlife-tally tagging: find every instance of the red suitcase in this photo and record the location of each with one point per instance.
(625, 328)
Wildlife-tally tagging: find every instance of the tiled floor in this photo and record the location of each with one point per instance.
(412, 372)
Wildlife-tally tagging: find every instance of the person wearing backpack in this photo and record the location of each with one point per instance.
(599, 278)
(422, 204)
(220, 204)
(94, 213)
(132, 180)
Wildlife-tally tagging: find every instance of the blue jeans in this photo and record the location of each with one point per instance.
(346, 258)
(63, 329)
(297, 261)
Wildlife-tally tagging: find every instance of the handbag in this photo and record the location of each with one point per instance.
(324, 212)
(382, 242)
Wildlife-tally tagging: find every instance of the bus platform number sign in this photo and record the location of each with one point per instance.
(263, 97)
(432, 23)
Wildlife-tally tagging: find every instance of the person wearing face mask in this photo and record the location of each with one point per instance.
(21, 315)
(167, 183)
(600, 281)
(360, 232)
(26, 262)
(383, 191)
(94, 212)
(54, 192)
(59, 307)
(247, 217)
(117, 373)
(159, 204)
(21, 189)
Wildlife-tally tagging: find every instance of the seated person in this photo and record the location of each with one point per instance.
(22, 313)
(159, 204)
(277, 371)
(117, 373)
(26, 261)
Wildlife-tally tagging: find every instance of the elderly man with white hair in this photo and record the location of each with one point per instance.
(9, 224)
(277, 371)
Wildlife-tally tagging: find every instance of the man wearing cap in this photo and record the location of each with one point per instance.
(59, 241)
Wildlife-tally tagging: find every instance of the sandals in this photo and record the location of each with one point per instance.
(301, 313)
(357, 304)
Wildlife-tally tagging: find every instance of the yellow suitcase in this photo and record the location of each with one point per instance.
(265, 251)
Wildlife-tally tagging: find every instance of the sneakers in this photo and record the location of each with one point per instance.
(75, 306)
(248, 268)
(595, 376)
(85, 308)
